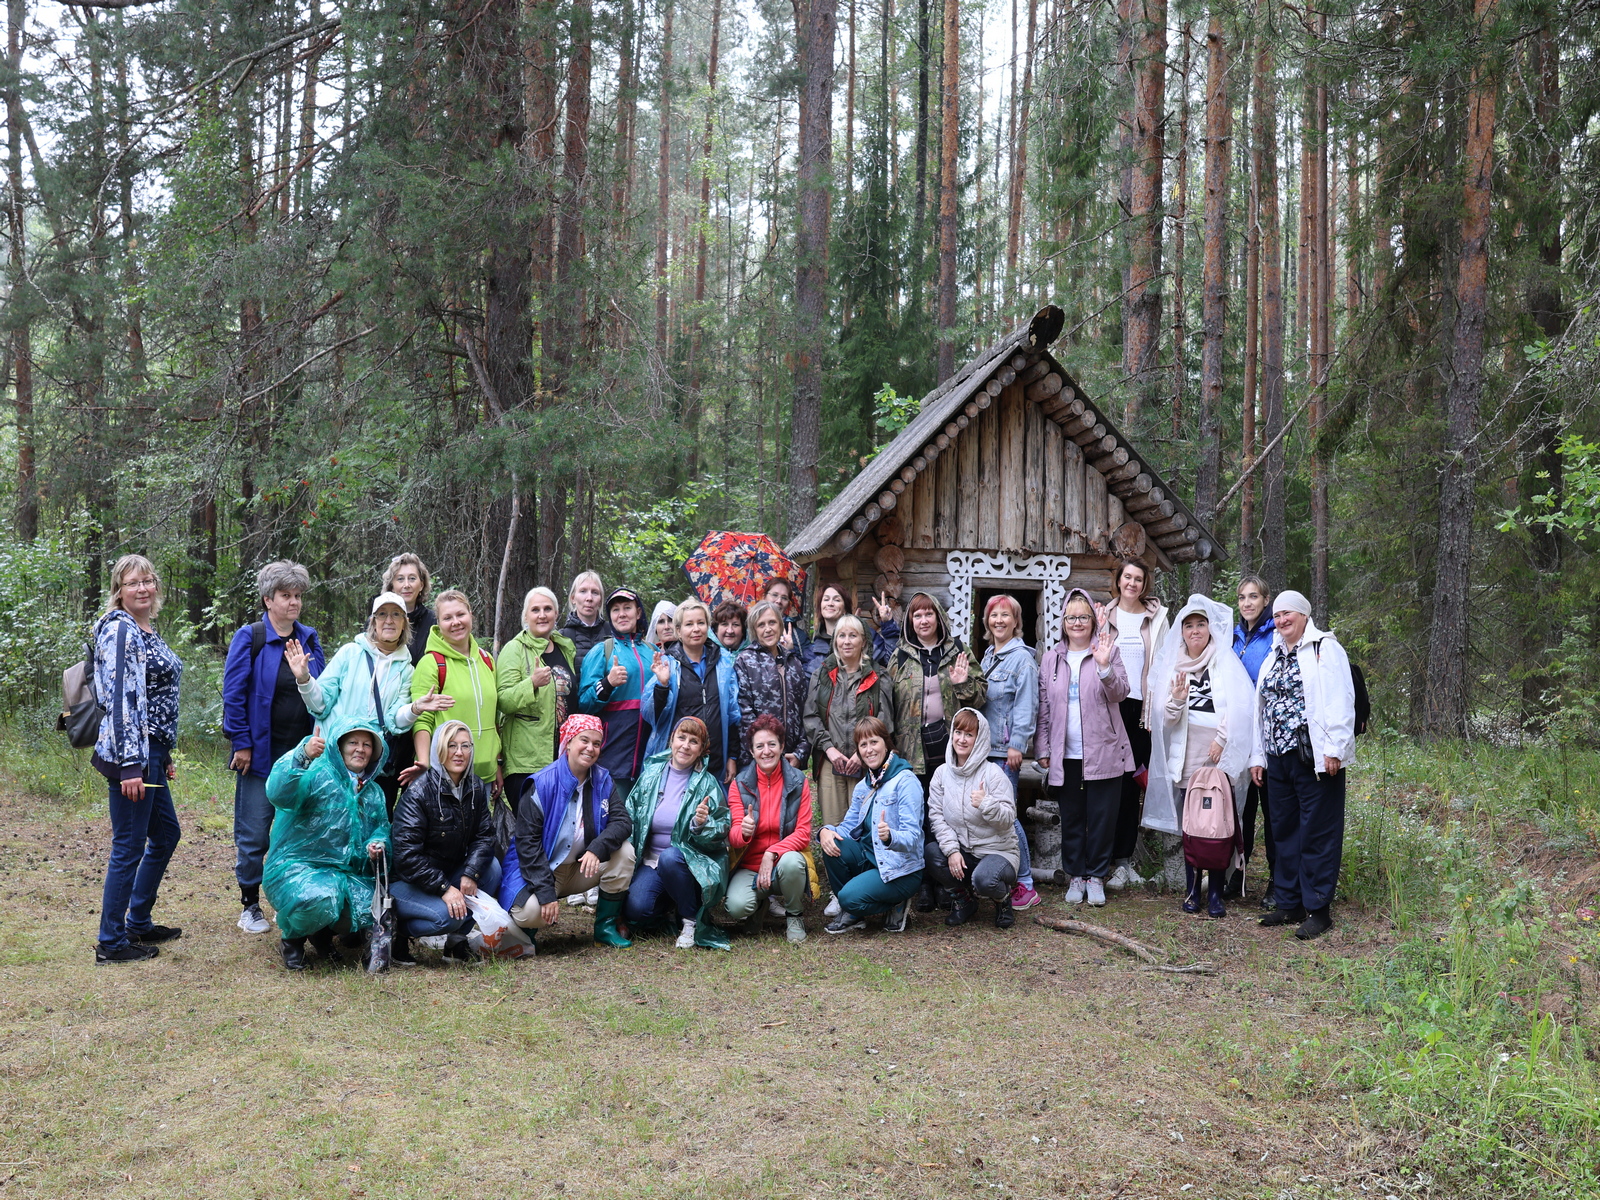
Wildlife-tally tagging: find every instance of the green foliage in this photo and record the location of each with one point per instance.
(1574, 508)
(650, 546)
(40, 586)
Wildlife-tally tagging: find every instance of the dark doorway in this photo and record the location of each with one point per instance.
(1027, 597)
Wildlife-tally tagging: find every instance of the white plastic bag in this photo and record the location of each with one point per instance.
(495, 934)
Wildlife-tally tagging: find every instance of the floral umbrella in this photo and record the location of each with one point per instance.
(739, 566)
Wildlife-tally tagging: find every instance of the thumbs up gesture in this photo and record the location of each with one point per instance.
(618, 675)
(979, 794)
(316, 745)
(748, 825)
(702, 814)
(540, 675)
(884, 833)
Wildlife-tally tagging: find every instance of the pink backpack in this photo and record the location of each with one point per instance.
(1210, 833)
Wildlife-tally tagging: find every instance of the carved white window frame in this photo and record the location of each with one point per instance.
(1050, 571)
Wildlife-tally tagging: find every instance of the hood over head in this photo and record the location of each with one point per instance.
(980, 747)
(908, 635)
(1078, 593)
(663, 608)
(335, 739)
(623, 594)
(441, 738)
(1219, 620)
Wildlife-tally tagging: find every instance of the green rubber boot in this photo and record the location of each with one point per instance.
(606, 913)
(706, 935)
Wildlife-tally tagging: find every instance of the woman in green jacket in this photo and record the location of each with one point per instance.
(537, 679)
(455, 665)
(680, 839)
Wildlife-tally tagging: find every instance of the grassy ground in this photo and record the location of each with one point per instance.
(934, 1063)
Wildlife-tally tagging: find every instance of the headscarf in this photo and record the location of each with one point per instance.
(1233, 694)
(1291, 601)
(663, 608)
(574, 725)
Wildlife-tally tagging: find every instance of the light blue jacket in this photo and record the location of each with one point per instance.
(899, 797)
(727, 700)
(1012, 705)
(342, 695)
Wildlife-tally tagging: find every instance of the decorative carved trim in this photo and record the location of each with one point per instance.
(1051, 571)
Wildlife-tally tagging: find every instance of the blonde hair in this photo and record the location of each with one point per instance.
(455, 594)
(407, 560)
(127, 565)
(528, 599)
(851, 621)
(572, 592)
(690, 605)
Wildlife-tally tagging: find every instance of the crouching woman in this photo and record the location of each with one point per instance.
(572, 834)
(770, 813)
(331, 823)
(680, 839)
(443, 847)
(874, 855)
(973, 813)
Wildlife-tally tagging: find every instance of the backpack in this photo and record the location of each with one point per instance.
(440, 661)
(1210, 832)
(81, 710)
(1358, 682)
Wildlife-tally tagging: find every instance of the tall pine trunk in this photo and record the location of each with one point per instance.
(1214, 284)
(27, 503)
(664, 182)
(693, 403)
(1252, 321)
(1274, 556)
(1445, 698)
(1142, 305)
(950, 140)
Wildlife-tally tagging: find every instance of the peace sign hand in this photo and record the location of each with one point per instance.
(884, 610)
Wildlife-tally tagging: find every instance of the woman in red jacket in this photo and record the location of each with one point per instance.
(770, 804)
(1081, 743)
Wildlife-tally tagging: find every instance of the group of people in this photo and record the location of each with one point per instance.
(697, 771)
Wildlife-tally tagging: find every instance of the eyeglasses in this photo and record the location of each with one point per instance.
(1079, 620)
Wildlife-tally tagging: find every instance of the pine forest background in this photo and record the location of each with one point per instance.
(590, 277)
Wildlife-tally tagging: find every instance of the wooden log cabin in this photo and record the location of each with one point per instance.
(1010, 479)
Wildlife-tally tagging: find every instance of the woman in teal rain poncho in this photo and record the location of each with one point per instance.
(331, 823)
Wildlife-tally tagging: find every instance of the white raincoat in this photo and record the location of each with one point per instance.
(1232, 693)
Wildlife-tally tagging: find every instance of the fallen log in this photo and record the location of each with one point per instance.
(1111, 937)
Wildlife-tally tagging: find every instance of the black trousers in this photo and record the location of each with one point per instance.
(1089, 810)
(1255, 801)
(991, 876)
(1130, 803)
(1307, 814)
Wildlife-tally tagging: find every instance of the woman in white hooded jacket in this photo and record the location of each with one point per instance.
(1202, 714)
(973, 812)
(1305, 735)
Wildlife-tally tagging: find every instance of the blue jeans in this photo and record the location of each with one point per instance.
(252, 826)
(668, 882)
(1025, 862)
(425, 915)
(144, 833)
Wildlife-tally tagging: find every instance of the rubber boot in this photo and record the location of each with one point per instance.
(294, 953)
(1191, 895)
(1214, 905)
(606, 912)
(706, 935)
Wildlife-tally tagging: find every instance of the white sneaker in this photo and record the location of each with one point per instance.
(775, 907)
(833, 908)
(573, 901)
(1118, 880)
(592, 897)
(1075, 891)
(1097, 894)
(253, 920)
(686, 938)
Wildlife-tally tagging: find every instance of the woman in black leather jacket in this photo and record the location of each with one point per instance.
(443, 841)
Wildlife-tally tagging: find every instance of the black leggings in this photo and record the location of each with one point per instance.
(1088, 811)
(1130, 804)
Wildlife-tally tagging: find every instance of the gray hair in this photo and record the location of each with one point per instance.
(282, 576)
(851, 621)
(758, 610)
(539, 591)
(405, 626)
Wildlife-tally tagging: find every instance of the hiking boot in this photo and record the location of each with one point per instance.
(294, 953)
(132, 952)
(322, 942)
(894, 921)
(796, 931)
(1269, 898)
(963, 907)
(155, 935)
(461, 951)
(927, 898)
(1317, 923)
(775, 907)
(253, 920)
(400, 952)
(844, 923)
(833, 909)
(686, 937)
(1283, 916)
(1004, 917)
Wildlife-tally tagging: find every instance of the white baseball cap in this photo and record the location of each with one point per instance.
(388, 598)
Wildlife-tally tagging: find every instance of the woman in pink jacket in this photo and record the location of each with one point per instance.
(1081, 743)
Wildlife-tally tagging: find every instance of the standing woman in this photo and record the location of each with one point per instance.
(680, 840)
(772, 682)
(264, 717)
(536, 677)
(1204, 720)
(1011, 712)
(831, 605)
(369, 680)
(408, 578)
(586, 625)
(455, 665)
(1252, 639)
(874, 855)
(662, 631)
(1138, 623)
(729, 620)
(845, 689)
(1305, 735)
(694, 677)
(1081, 744)
(136, 677)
